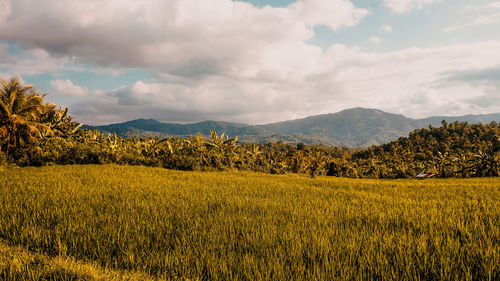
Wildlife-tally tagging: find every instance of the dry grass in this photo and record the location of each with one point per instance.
(16, 263)
(248, 226)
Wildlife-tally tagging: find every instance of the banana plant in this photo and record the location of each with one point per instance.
(486, 163)
(58, 121)
(225, 147)
(113, 142)
(276, 161)
(442, 164)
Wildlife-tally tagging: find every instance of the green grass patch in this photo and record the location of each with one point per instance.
(250, 226)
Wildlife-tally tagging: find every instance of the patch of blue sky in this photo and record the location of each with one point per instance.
(273, 3)
(409, 29)
(13, 48)
(367, 4)
(89, 77)
(62, 101)
(41, 81)
(95, 78)
(42, 84)
(425, 27)
(92, 80)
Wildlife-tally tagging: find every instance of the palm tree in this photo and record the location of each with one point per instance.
(318, 164)
(20, 109)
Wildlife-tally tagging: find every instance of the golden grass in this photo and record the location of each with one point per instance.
(16, 263)
(250, 226)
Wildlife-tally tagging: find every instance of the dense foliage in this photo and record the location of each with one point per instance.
(34, 133)
(25, 118)
(248, 226)
(455, 149)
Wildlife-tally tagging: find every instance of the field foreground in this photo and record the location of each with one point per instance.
(121, 222)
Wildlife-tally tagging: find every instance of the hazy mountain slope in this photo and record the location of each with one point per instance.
(351, 127)
(482, 118)
(130, 128)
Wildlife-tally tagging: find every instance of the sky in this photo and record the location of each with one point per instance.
(254, 61)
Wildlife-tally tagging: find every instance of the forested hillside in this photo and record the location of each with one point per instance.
(454, 149)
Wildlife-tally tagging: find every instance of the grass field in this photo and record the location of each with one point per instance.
(120, 222)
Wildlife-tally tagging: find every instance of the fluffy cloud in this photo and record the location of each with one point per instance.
(216, 98)
(402, 6)
(416, 82)
(6, 9)
(386, 28)
(188, 38)
(232, 61)
(67, 88)
(492, 5)
(487, 81)
(334, 14)
(486, 14)
(32, 62)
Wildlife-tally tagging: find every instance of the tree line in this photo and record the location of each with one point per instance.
(34, 133)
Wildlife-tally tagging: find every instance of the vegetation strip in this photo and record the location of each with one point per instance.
(34, 133)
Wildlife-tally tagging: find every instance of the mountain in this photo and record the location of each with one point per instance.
(350, 127)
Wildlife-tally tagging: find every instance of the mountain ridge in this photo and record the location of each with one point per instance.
(350, 127)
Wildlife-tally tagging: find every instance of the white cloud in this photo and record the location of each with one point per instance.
(5, 10)
(402, 6)
(334, 14)
(232, 61)
(486, 14)
(479, 20)
(188, 38)
(375, 40)
(494, 5)
(386, 28)
(392, 80)
(67, 88)
(217, 97)
(415, 82)
(33, 61)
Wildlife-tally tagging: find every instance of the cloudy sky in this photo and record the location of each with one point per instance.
(254, 61)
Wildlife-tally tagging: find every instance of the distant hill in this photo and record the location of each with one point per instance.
(140, 127)
(351, 127)
(482, 118)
